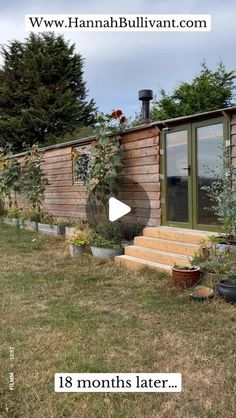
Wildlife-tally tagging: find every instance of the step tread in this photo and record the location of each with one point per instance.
(160, 252)
(169, 241)
(145, 262)
(180, 230)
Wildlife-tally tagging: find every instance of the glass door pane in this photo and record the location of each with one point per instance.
(209, 140)
(177, 207)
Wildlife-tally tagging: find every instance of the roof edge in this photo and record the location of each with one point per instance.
(159, 124)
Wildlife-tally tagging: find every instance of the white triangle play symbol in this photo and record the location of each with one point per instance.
(117, 209)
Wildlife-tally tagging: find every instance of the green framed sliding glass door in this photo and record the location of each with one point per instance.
(190, 160)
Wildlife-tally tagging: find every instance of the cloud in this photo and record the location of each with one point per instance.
(117, 65)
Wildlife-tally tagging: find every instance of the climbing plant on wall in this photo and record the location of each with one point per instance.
(10, 178)
(34, 179)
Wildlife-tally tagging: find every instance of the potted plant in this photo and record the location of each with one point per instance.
(30, 219)
(103, 248)
(130, 232)
(75, 226)
(13, 217)
(78, 242)
(227, 288)
(221, 193)
(46, 226)
(185, 276)
(213, 259)
(107, 240)
(60, 225)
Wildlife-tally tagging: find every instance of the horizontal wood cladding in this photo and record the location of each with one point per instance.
(233, 119)
(57, 152)
(68, 214)
(139, 204)
(82, 194)
(55, 172)
(233, 134)
(58, 182)
(142, 220)
(135, 187)
(64, 195)
(233, 140)
(58, 176)
(73, 188)
(146, 169)
(125, 195)
(58, 165)
(80, 212)
(142, 143)
(233, 129)
(66, 201)
(140, 185)
(142, 152)
(233, 147)
(139, 134)
(141, 178)
(56, 159)
(141, 161)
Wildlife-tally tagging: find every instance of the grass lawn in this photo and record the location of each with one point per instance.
(64, 315)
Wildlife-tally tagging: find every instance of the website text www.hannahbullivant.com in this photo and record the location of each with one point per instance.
(122, 23)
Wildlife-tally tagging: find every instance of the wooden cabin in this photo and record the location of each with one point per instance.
(165, 165)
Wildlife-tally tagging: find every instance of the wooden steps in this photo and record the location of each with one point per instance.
(161, 247)
(167, 245)
(136, 263)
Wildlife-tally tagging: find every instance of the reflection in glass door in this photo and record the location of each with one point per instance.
(209, 140)
(177, 171)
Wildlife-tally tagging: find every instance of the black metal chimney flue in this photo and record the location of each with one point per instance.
(145, 96)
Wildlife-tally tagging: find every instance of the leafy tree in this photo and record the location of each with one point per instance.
(42, 92)
(208, 91)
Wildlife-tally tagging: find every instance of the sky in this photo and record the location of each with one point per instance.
(117, 64)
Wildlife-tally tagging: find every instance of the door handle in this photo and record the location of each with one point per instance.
(189, 168)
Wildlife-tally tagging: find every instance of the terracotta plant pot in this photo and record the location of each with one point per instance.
(187, 277)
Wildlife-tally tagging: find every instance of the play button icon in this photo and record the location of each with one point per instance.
(117, 209)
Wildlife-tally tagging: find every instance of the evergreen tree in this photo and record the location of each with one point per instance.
(208, 91)
(42, 92)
